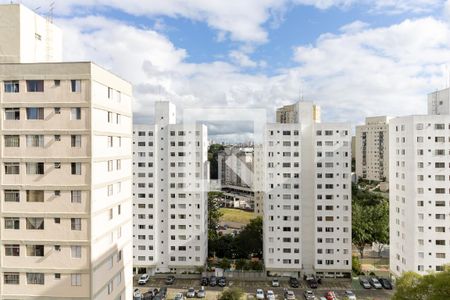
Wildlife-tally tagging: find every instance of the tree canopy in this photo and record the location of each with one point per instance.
(433, 286)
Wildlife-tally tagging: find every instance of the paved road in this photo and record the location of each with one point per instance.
(249, 287)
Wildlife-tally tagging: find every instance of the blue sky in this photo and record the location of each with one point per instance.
(355, 58)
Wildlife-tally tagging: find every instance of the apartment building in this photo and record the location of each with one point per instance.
(171, 180)
(307, 200)
(65, 180)
(372, 149)
(419, 189)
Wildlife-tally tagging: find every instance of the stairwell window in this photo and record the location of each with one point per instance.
(76, 168)
(11, 86)
(35, 86)
(75, 113)
(35, 113)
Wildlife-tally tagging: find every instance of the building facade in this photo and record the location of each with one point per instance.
(171, 180)
(419, 187)
(307, 196)
(65, 186)
(372, 149)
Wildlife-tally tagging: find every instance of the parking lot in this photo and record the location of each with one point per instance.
(249, 287)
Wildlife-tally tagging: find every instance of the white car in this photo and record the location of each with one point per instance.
(350, 295)
(190, 293)
(275, 282)
(375, 283)
(270, 295)
(259, 294)
(309, 295)
(143, 279)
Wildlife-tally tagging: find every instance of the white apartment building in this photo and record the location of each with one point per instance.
(171, 180)
(66, 213)
(307, 201)
(372, 149)
(419, 188)
(26, 37)
(65, 180)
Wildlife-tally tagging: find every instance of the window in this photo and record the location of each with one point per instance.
(12, 195)
(57, 275)
(12, 223)
(75, 86)
(76, 168)
(57, 82)
(12, 113)
(75, 279)
(12, 86)
(10, 278)
(12, 141)
(76, 141)
(75, 251)
(75, 196)
(110, 287)
(35, 223)
(57, 165)
(35, 278)
(75, 223)
(35, 141)
(57, 110)
(12, 168)
(35, 168)
(35, 250)
(35, 86)
(35, 113)
(75, 113)
(35, 196)
(12, 250)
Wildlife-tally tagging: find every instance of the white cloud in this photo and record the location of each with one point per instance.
(354, 27)
(447, 10)
(402, 6)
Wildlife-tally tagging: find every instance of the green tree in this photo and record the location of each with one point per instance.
(213, 151)
(380, 227)
(433, 286)
(214, 214)
(241, 264)
(361, 227)
(249, 240)
(231, 294)
(225, 264)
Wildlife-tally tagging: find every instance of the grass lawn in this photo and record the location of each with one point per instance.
(236, 215)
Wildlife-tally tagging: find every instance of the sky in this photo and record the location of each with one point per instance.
(354, 58)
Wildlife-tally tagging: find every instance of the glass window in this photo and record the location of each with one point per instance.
(75, 196)
(12, 223)
(35, 223)
(12, 250)
(35, 250)
(75, 113)
(76, 168)
(12, 168)
(35, 278)
(12, 86)
(35, 113)
(75, 251)
(35, 196)
(76, 279)
(35, 85)
(75, 86)
(35, 168)
(12, 113)
(75, 223)
(11, 278)
(12, 195)
(76, 141)
(12, 141)
(35, 141)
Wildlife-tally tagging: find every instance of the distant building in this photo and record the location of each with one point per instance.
(307, 195)
(372, 149)
(439, 102)
(170, 203)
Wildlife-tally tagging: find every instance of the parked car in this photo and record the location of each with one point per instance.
(201, 293)
(365, 283)
(148, 296)
(330, 295)
(259, 294)
(312, 282)
(204, 281)
(386, 283)
(293, 282)
(222, 282)
(349, 295)
(213, 281)
(375, 283)
(159, 297)
(309, 295)
(179, 296)
(190, 293)
(137, 295)
(270, 295)
(170, 280)
(143, 279)
(289, 295)
(162, 291)
(275, 282)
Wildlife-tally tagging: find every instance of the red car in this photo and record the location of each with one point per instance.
(330, 295)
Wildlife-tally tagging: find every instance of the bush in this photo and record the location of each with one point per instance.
(356, 265)
(231, 294)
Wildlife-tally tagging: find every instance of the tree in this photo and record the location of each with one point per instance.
(356, 265)
(225, 264)
(231, 294)
(361, 223)
(213, 152)
(433, 286)
(214, 214)
(249, 240)
(380, 227)
(241, 264)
